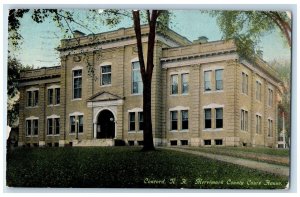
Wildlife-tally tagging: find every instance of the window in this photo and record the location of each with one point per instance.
(141, 121)
(56, 123)
(35, 97)
(50, 126)
(53, 126)
(184, 120)
(218, 142)
(35, 127)
(270, 128)
(53, 96)
(131, 143)
(77, 83)
(28, 127)
(258, 124)
(32, 98)
(207, 114)
(258, 91)
(184, 83)
(50, 96)
(57, 95)
(32, 127)
(29, 99)
(76, 124)
(131, 121)
(207, 79)
(270, 97)
(174, 120)
(244, 83)
(174, 84)
(244, 120)
(219, 79)
(80, 124)
(105, 75)
(184, 142)
(72, 124)
(219, 117)
(173, 142)
(207, 142)
(137, 83)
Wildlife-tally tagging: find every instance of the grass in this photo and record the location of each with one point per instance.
(126, 167)
(268, 155)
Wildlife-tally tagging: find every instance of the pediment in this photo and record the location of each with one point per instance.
(104, 96)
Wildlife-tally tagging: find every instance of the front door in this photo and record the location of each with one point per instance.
(106, 125)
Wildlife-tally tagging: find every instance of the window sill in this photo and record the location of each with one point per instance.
(103, 86)
(219, 91)
(137, 94)
(174, 94)
(31, 107)
(75, 133)
(244, 94)
(213, 129)
(31, 136)
(140, 131)
(173, 131)
(131, 131)
(77, 99)
(244, 131)
(56, 135)
(184, 131)
(53, 105)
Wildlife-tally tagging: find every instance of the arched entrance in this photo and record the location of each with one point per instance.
(105, 125)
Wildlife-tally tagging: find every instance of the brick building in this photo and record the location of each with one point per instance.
(203, 94)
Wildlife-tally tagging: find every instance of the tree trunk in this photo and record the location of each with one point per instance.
(146, 73)
(148, 137)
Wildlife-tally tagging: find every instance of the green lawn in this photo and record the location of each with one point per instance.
(268, 155)
(126, 167)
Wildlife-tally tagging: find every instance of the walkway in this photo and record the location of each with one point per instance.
(271, 168)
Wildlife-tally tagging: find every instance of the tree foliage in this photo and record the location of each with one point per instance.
(283, 69)
(247, 27)
(14, 69)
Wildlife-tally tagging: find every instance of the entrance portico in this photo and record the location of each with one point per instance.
(105, 114)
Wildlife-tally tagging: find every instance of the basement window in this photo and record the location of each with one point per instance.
(184, 142)
(173, 142)
(207, 142)
(140, 143)
(131, 143)
(219, 142)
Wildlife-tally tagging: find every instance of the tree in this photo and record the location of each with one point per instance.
(14, 68)
(114, 17)
(247, 27)
(283, 69)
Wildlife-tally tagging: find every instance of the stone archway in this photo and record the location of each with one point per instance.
(105, 125)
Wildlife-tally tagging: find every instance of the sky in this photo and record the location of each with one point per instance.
(40, 40)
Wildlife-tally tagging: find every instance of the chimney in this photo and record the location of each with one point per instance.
(77, 34)
(201, 40)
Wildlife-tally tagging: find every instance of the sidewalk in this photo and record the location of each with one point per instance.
(271, 168)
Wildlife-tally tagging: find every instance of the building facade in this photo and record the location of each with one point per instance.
(203, 94)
